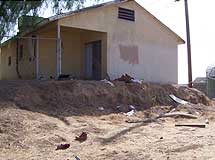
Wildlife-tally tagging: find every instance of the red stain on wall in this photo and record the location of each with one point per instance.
(129, 54)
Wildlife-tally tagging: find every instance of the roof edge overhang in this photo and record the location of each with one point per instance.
(115, 2)
(58, 17)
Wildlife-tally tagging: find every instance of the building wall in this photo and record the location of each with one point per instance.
(27, 62)
(73, 43)
(144, 49)
(8, 72)
(71, 51)
(91, 36)
(48, 54)
(26, 67)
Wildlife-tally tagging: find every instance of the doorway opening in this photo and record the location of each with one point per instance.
(93, 60)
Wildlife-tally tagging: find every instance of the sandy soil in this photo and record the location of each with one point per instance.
(30, 128)
(28, 135)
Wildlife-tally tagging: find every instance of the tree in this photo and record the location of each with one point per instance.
(11, 10)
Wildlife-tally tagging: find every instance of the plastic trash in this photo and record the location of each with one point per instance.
(130, 113)
(108, 82)
(178, 100)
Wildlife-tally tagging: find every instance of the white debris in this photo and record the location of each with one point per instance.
(132, 107)
(178, 100)
(137, 81)
(101, 108)
(108, 82)
(77, 158)
(132, 112)
(197, 113)
(118, 106)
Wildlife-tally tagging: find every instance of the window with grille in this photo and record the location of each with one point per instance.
(126, 14)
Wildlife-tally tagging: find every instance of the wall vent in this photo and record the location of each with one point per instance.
(126, 14)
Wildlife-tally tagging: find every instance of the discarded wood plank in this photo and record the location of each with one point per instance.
(199, 125)
(173, 114)
(147, 120)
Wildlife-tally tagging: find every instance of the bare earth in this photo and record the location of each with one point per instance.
(28, 134)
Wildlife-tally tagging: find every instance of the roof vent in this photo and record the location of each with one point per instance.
(126, 14)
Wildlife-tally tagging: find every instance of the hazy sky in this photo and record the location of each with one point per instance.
(202, 27)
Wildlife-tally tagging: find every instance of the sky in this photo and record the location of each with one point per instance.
(202, 30)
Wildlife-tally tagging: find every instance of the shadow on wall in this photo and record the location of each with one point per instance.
(62, 99)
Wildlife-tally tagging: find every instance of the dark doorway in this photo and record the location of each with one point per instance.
(92, 60)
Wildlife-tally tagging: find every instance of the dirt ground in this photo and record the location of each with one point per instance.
(35, 117)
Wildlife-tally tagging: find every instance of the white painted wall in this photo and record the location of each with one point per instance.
(157, 46)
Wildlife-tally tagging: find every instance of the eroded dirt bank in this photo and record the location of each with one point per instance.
(36, 116)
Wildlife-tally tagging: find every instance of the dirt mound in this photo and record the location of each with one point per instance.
(37, 116)
(66, 98)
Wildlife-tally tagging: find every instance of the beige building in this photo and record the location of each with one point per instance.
(111, 39)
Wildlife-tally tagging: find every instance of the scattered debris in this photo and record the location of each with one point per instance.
(77, 158)
(173, 114)
(206, 121)
(128, 79)
(130, 113)
(63, 146)
(108, 82)
(101, 108)
(64, 77)
(161, 137)
(82, 137)
(137, 81)
(78, 102)
(125, 108)
(181, 114)
(191, 125)
(132, 107)
(125, 78)
(42, 78)
(118, 108)
(146, 120)
(178, 100)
